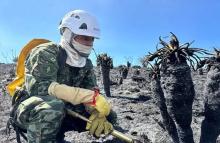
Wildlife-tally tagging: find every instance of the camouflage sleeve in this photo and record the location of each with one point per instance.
(89, 82)
(41, 70)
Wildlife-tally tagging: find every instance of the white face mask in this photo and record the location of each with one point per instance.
(83, 50)
(73, 58)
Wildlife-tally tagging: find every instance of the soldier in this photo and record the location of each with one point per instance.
(106, 64)
(60, 76)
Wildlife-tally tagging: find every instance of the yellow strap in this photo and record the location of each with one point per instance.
(20, 69)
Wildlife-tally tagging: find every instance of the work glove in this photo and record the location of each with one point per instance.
(95, 102)
(99, 109)
(99, 103)
(74, 95)
(99, 124)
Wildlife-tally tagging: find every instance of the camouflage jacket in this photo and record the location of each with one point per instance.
(42, 68)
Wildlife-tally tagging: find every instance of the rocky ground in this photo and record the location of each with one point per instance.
(138, 117)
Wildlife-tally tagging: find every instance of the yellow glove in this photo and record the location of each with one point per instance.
(70, 94)
(99, 103)
(99, 125)
(99, 108)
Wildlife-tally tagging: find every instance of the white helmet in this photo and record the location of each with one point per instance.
(81, 22)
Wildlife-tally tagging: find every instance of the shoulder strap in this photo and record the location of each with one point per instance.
(61, 59)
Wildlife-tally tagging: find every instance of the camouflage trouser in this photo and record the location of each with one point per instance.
(41, 116)
(45, 120)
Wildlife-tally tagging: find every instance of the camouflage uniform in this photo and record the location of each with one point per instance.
(42, 115)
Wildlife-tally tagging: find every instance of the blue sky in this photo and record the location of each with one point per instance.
(129, 28)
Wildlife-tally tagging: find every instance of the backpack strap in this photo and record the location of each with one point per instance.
(61, 59)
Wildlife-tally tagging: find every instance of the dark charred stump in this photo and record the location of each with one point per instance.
(106, 80)
(125, 73)
(210, 128)
(178, 89)
(123, 70)
(200, 71)
(128, 64)
(160, 100)
(170, 64)
(120, 81)
(106, 64)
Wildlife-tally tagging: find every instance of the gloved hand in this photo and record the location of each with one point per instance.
(100, 104)
(99, 125)
(99, 109)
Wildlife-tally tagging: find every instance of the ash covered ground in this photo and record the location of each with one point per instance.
(138, 116)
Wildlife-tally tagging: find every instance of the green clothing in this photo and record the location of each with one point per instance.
(42, 69)
(42, 114)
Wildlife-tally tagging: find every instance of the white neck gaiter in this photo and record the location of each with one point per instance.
(83, 49)
(73, 58)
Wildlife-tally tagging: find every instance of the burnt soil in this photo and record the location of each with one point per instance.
(138, 116)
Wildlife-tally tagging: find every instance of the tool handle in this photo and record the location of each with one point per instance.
(121, 136)
(115, 133)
